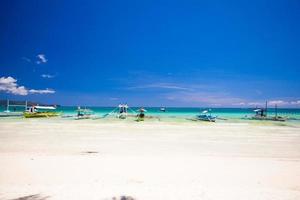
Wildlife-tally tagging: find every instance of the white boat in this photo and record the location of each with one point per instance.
(122, 111)
(40, 111)
(162, 109)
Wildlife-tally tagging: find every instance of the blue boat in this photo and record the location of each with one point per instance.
(206, 116)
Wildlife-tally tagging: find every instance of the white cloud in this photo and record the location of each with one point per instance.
(161, 86)
(217, 99)
(41, 59)
(295, 102)
(278, 102)
(203, 98)
(255, 104)
(47, 76)
(46, 91)
(9, 85)
(239, 104)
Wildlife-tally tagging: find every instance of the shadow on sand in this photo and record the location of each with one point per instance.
(123, 198)
(32, 197)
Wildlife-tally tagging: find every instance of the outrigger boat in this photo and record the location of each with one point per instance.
(206, 116)
(84, 113)
(8, 113)
(121, 112)
(141, 115)
(40, 111)
(261, 114)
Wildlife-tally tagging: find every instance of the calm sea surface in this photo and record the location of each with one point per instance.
(228, 113)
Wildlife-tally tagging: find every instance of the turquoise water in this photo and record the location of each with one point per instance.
(227, 113)
(232, 113)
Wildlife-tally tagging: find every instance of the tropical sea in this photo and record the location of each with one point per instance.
(231, 113)
(185, 112)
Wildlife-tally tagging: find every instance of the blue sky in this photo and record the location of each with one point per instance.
(151, 53)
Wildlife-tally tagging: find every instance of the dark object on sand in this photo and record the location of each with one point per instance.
(123, 198)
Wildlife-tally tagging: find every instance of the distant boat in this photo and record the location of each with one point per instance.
(206, 116)
(84, 113)
(40, 111)
(261, 114)
(162, 109)
(141, 115)
(121, 112)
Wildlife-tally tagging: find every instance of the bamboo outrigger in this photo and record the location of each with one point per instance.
(262, 114)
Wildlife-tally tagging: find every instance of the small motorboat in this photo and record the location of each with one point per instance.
(162, 109)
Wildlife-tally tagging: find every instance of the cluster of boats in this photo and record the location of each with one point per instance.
(122, 111)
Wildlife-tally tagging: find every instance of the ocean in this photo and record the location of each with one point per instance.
(231, 113)
(183, 112)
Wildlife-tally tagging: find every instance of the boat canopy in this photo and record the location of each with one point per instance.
(45, 107)
(123, 106)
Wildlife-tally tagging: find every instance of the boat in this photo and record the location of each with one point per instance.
(162, 109)
(84, 113)
(141, 114)
(40, 111)
(261, 114)
(122, 111)
(8, 113)
(206, 116)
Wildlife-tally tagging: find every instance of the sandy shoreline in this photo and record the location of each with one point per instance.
(157, 160)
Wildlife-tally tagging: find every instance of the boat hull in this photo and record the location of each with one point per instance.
(206, 118)
(40, 114)
(280, 119)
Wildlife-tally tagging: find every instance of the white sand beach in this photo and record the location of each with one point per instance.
(99, 160)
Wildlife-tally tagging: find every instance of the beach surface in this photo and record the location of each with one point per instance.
(97, 159)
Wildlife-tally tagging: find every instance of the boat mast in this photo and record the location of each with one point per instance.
(7, 106)
(276, 110)
(266, 108)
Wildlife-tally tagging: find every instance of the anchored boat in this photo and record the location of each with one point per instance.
(261, 114)
(40, 111)
(84, 113)
(162, 109)
(206, 116)
(141, 115)
(122, 112)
